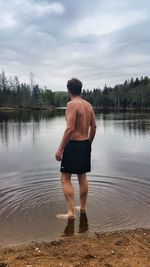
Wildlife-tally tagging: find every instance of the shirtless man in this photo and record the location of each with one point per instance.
(74, 151)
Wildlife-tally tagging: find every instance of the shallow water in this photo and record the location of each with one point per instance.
(30, 189)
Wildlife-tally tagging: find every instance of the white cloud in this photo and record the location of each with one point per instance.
(55, 7)
(107, 23)
(7, 20)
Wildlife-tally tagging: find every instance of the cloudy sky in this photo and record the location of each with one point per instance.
(97, 41)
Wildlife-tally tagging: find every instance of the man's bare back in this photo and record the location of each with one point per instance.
(83, 115)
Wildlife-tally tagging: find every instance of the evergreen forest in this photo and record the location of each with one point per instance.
(133, 93)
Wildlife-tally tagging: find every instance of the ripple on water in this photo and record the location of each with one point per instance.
(114, 202)
(28, 190)
(120, 202)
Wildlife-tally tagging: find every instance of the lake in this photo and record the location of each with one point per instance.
(30, 189)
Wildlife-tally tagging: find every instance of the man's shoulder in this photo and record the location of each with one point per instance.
(76, 103)
(87, 103)
(73, 103)
(70, 103)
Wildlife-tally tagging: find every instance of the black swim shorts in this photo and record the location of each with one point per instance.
(76, 157)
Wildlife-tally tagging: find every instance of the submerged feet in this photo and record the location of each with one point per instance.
(67, 216)
(71, 214)
(79, 209)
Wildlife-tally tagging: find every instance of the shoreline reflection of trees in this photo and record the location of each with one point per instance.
(132, 123)
(27, 116)
(136, 127)
(15, 124)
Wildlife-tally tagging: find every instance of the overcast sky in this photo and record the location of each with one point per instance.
(99, 42)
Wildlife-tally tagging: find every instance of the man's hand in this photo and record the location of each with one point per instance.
(58, 154)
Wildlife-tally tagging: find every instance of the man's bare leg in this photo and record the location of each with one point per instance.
(69, 195)
(83, 190)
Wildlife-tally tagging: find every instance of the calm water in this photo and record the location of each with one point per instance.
(30, 190)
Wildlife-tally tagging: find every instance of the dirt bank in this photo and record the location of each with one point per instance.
(116, 249)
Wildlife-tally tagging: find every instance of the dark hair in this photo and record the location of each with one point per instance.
(74, 86)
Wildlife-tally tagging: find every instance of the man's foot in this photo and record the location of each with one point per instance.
(82, 211)
(79, 209)
(66, 216)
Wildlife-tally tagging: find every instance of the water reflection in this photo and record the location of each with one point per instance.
(70, 228)
(130, 123)
(136, 126)
(17, 124)
(83, 225)
(27, 116)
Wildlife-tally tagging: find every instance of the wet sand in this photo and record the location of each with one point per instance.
(130, 248)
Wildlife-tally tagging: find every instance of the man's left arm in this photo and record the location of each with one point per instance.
(71, 118)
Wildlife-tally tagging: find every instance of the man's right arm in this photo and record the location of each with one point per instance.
(92, 127)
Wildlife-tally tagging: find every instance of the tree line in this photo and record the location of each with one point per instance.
(15, 94)
(133, 93)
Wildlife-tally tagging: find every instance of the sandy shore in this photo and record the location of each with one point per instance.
(112, 249)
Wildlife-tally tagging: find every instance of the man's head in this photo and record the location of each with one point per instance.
(74, 87)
